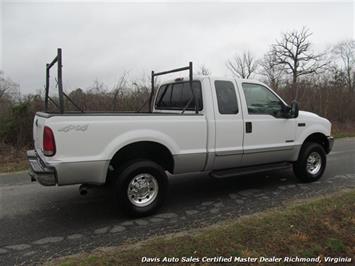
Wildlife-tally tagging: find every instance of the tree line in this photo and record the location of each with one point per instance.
(322, 82)
(291, 60)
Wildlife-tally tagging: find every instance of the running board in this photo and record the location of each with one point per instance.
(249, 170)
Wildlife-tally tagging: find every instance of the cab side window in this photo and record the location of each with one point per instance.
(226, 97)
(260, 100)
(164, 96)
(176, 96)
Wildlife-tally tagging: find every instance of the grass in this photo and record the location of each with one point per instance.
(14, 166)
(12, 160)
(339, 135)
(343, 130)
(320, 227)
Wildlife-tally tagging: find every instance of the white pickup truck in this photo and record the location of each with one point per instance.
(232, 127)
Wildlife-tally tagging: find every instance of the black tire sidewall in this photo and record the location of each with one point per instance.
(125, 176)
(300, 167)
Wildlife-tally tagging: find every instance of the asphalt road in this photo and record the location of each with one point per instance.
(38, 223)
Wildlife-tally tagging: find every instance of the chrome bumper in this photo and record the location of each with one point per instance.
(38, 171)
(330, 143)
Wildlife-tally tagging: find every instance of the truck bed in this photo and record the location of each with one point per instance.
(88, 141)
(48, 115)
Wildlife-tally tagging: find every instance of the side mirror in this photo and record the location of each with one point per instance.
(294, 109)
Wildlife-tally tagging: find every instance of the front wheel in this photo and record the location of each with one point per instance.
(311, 162)
(140, 187)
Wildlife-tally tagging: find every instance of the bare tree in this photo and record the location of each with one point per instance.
(271, 69)
(293, 51)
(118, 89)
(3, 85)
(204, 71)
(97, 87)
(141, 93)
(345, 53)
(8, 87)
(242, 66)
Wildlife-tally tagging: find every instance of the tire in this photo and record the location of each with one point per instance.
(311, 162)
(140, 187)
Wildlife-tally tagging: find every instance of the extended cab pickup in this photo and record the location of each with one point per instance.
(232, 127)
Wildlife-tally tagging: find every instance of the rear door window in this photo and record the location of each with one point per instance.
(226, 97)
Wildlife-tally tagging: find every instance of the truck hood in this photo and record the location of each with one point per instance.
(309, 115)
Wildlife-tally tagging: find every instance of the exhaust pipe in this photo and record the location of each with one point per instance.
(83, 189)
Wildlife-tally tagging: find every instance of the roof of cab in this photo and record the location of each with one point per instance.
(202, 77)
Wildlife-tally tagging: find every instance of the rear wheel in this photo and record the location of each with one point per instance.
(140, 187)
(311, 162)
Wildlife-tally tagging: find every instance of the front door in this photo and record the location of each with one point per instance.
(268, 137)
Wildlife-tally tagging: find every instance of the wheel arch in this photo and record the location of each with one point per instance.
(320, 138)
(149, 150)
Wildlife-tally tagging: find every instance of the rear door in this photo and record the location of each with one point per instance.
(229, 124)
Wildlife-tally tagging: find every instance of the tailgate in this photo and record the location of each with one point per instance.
(38, 124)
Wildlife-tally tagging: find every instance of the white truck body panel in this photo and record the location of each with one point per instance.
(86, 143)
(94, 139)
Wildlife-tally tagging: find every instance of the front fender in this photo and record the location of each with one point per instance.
(312, 130)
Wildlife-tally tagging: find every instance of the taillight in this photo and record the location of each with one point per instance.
(48, 142)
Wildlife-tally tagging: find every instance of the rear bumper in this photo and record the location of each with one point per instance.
(330, 143)
(38, 171)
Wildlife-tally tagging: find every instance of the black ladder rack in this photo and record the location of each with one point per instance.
(57, 60)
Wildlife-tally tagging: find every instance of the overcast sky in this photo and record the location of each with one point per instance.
(101, 40)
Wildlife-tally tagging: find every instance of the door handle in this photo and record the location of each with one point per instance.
(248, 127)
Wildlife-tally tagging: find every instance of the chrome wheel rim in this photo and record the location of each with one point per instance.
(142, 190)
(314, 163)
